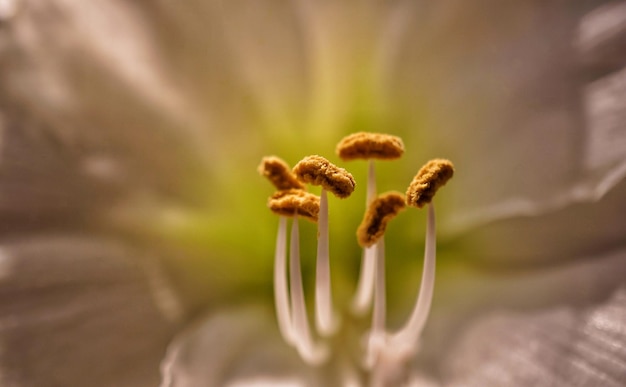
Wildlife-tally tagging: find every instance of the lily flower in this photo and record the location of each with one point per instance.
(136, 248)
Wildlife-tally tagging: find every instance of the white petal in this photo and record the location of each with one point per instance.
(499, 89)
(559, 346)
(529, 308)
(232, 348)
(77, 311)
(576, 232)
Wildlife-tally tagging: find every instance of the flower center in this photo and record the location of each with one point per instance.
(384, 353)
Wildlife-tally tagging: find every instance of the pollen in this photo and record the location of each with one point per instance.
(317, 170)
(365, 145)
(380, 212)
(295, 201)
(278, 173)
(428, 180)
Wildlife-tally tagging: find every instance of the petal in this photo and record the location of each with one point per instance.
(45, 184)
(481, 317)
(576, 232)
(499, 89)
(237, 346)
(78, 311)
(602, 36)
(88, 80)
(559, 346)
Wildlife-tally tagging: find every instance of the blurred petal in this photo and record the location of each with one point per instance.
(232, 348)
(466, 296)
(562, 346)
(78, 311)
(499, 89)
(578, 231)
(87, 79)
(602, 38)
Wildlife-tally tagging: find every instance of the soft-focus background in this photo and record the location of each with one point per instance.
(130, 205)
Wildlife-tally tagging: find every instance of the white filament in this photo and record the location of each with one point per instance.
(324, 315)
(365, 287)
(377, 336)
(410, 333)
(281, 292)
(311, 353)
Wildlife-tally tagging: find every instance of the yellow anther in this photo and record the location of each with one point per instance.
(279, 173)
(317, 170)
(365, 145)
(295, 202)
(382, 209)
(428, 180)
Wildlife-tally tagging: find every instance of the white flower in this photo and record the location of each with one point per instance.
(129, 134)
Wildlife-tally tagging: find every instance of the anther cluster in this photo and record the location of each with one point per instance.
(385, 352)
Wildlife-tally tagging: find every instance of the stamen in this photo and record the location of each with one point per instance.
(368, 146)
(429, 179)
(326, 322)
(377, 336)
(279, 173)
(379, 213)
(370, 233)
(365, 287)
(288, 203)
(365, 145)
(281, 293)
(409, 335)
(386, 354)
(308, 350)
(295, 201)
(317, 170)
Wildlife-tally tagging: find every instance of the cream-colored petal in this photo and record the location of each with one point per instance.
(232, 347)
(466, 297)
(77, 310)
(91, 77)
(500, 90)
(574, 346)
(571, 233)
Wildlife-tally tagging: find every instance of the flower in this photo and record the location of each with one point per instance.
(130, 205)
